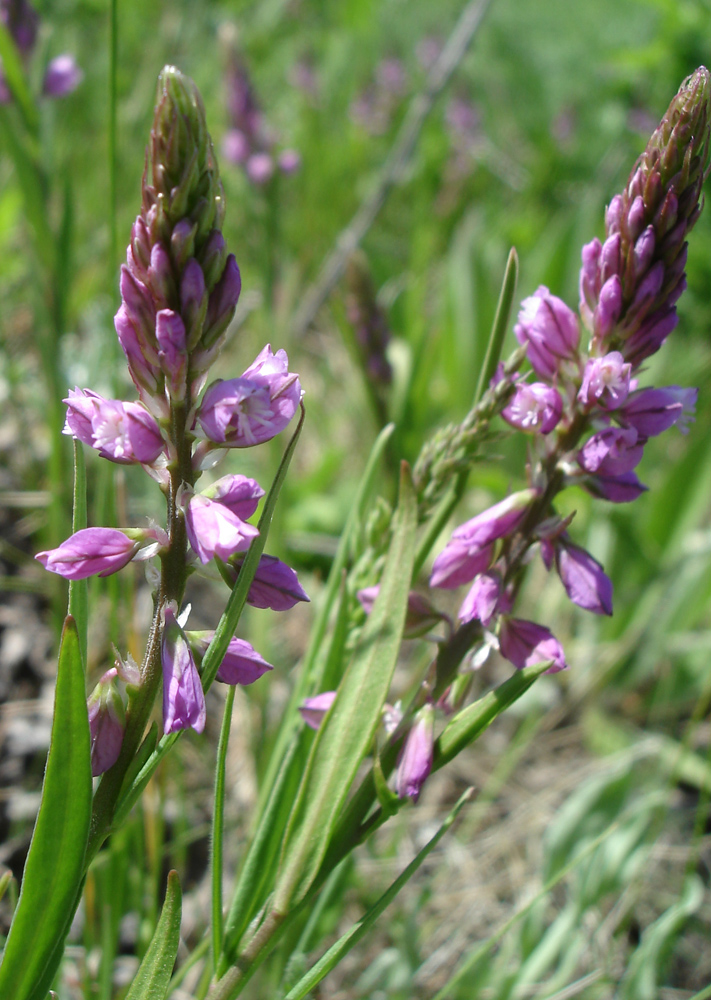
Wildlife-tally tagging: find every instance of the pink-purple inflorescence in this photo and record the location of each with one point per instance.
(587, 415)
(250, 142)
(179, 290)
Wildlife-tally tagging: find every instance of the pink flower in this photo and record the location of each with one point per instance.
(183, 698)
(213, 529)
(652, 411)
(606, 381)
(245, 411)
(122, 432)
(415, 761)
(240, 494)
(241, 664)
(62, 76)
(612, 452)
(313, 709)
(524, 643)
(106, 723)
(584, 579)
(89, 552)
(482, 601)
(534, 407)
(550, 329)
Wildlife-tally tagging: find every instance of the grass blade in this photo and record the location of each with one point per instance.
(337, 952)
(153, 978)
(54, 867)
(347, 732)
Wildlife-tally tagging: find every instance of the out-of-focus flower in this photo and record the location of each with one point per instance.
(62, 76)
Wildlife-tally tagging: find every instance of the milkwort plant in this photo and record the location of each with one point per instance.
(587, 417)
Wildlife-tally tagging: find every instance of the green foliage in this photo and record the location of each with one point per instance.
(54, 867)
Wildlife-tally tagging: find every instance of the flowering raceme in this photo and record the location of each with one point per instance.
(179, 289)
(588, 417)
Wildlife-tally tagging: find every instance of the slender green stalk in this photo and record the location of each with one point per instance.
(218, 815)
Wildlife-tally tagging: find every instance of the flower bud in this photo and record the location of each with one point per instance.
(550, 330)
(183, 698)
(417, 755)
(62, 76)
(241, 664)
(314, 709)
(107, 722)
(213, 530)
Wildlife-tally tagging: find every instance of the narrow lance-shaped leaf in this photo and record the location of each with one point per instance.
(54, 868)
(153, 977)
(346, 734)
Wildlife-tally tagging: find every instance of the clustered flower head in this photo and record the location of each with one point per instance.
(179, 290)
(586, 414)
(251, 143)
(62, 75)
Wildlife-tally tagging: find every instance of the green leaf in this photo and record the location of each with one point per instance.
(337, 952)
(501, 322)
(474, 719)
(346, 734)
(78, 589)
(54, 868)
(153, 978)
(259, 864)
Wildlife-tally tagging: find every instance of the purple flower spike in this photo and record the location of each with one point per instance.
(550, 329)
(606, 381)
(612, 452)
(314, 709)
(652, 411)
(482, 601)
(584, 579)
(62, 76)
(107, 723)
(416, 757)
(524, 643)
(213, 530)
(89, 552)
(242, 664)
(183, 698)
(240, 494)
(536, 407)
(246, 411)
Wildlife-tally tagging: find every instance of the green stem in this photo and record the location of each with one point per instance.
(218, 828)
